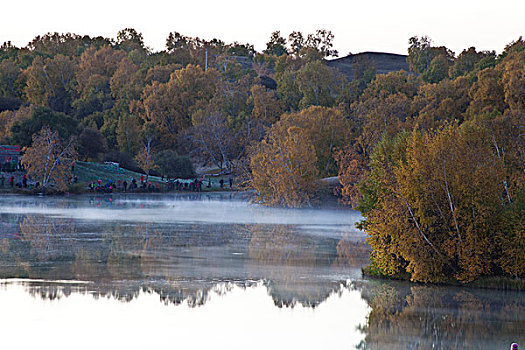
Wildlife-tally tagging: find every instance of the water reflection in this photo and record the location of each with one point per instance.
(184, 251)
(181, 261)
(404, 316)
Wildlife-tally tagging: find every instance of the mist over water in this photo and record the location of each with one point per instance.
(180, 209)
(220, 264)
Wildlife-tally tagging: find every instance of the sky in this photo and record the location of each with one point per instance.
(358, 26)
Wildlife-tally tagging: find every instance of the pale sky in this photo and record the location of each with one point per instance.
(365, 25)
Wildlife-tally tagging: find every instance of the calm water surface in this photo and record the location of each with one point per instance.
(214, 271)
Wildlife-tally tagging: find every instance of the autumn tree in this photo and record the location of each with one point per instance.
(434, 203)
(384, 108)
(173, 165)
(170, 106)
(9, 118)
(326, 128)
(438, 104)
(352, 173)
(95, 70)
(51, 81)
(266, 105)
(128, 133)
(68, 44)
(284, 167)
(11, 79)
(214, 138)
(49, 159)
(145, 157)
(128, 39)
(321, 41)
(470, 61)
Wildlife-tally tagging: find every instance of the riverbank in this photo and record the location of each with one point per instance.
(487, 282)
(114, 176)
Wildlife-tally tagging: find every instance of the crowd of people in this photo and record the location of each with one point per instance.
(12, 181)
(168, 185)
(11, 166)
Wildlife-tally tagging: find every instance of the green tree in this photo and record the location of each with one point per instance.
(23, 130)
(170, 106)
(174, 166)
(276, 45)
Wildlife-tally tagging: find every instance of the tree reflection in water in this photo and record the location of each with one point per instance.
(181, 263)
(405, 316)
(298, 265)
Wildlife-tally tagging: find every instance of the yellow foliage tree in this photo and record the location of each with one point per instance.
(284, 167)
(266, 106)
(436, 206)
(326, 128)
(48, 160)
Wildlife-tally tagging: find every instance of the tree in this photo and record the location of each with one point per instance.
(126, 83)
(170, 106)
(322, 41)
(91, 143)
(68, 44)
(23, 129)
(128, 133)
(284, 167)
(49, 160)
(352, 174)
(95, 70)
(174, 166)
(319, 85)
(436, 202)
(50, 82)
(431, 62)
(128, 39)
(419, 53)
(276, 45)
(212, 140)
(468, 62)
(327, 130)
(437, 70)
(487, 93)
(297, 41)
(266, 105)
(145, 156)
(438, 104)
(9, 118)
(10, 79)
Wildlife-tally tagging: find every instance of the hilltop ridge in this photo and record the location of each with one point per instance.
(382, 61)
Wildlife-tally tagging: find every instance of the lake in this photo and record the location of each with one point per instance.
(215, 271)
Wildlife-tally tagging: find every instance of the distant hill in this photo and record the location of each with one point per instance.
(383, 62)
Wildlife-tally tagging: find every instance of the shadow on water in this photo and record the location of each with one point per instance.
(190, 249)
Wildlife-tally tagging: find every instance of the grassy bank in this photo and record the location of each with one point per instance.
(88, 172)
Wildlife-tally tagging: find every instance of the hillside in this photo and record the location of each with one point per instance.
(383, 62)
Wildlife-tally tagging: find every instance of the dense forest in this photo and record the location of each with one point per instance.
(433, 157)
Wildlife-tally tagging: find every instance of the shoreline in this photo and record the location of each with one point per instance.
(484, 282)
